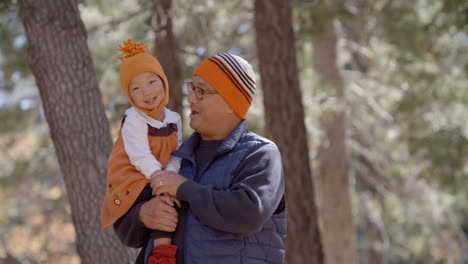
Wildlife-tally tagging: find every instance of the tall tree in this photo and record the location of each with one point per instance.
(167, 50)
(284, 115)
(61, 63)
(335, 209)
(338, 231)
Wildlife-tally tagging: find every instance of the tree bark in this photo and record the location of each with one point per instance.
(167, 51)
(284, 115)
(336, 210)
(61, 63)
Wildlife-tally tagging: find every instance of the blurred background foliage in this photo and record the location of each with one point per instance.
(406, 65)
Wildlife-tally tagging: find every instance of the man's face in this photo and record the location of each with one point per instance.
(146, 90)
(209, 115)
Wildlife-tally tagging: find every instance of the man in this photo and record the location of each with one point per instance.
(230, 183)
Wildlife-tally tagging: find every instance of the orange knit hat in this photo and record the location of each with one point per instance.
(135, 60)
(233, 78)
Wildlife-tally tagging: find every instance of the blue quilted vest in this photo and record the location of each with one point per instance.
(201, 244)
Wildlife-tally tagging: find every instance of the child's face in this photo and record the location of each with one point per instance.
(146, 90)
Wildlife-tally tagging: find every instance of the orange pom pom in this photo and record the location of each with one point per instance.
(130, 48)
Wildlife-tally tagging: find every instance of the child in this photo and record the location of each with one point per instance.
(148, 135)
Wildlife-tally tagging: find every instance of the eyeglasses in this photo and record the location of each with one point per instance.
(199, 92)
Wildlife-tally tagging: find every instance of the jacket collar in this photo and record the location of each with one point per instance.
(187, 149)
(170, 117)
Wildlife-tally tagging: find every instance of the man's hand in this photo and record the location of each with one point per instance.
(159, 213)
(166, 182)
(176, 201)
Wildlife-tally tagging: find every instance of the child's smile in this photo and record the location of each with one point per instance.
(151, 100)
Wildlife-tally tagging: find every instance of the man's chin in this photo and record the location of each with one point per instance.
(193, 124)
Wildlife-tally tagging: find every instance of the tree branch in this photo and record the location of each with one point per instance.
(358, 90)
(113, 23)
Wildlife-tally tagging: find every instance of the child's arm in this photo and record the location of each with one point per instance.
(174, 162)
(135, 139)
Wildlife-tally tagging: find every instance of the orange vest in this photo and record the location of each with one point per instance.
(124, 181)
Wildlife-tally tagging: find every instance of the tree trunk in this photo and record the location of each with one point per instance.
(61, 63)
(338, 231)
(284, 115)
(167, 52)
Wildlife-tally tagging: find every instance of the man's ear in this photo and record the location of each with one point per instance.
(228, 110)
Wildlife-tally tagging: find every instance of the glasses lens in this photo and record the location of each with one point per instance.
(191, 88)
(199, 93)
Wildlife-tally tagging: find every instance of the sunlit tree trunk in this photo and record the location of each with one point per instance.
(338, 231)
(284, 115)
(166, 49)
(61, 63)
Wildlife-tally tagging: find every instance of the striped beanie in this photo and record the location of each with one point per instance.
(233, 78)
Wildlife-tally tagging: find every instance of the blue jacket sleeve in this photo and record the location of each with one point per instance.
(255, 193)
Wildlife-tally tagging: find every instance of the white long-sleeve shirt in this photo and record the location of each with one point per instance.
(135, 139)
